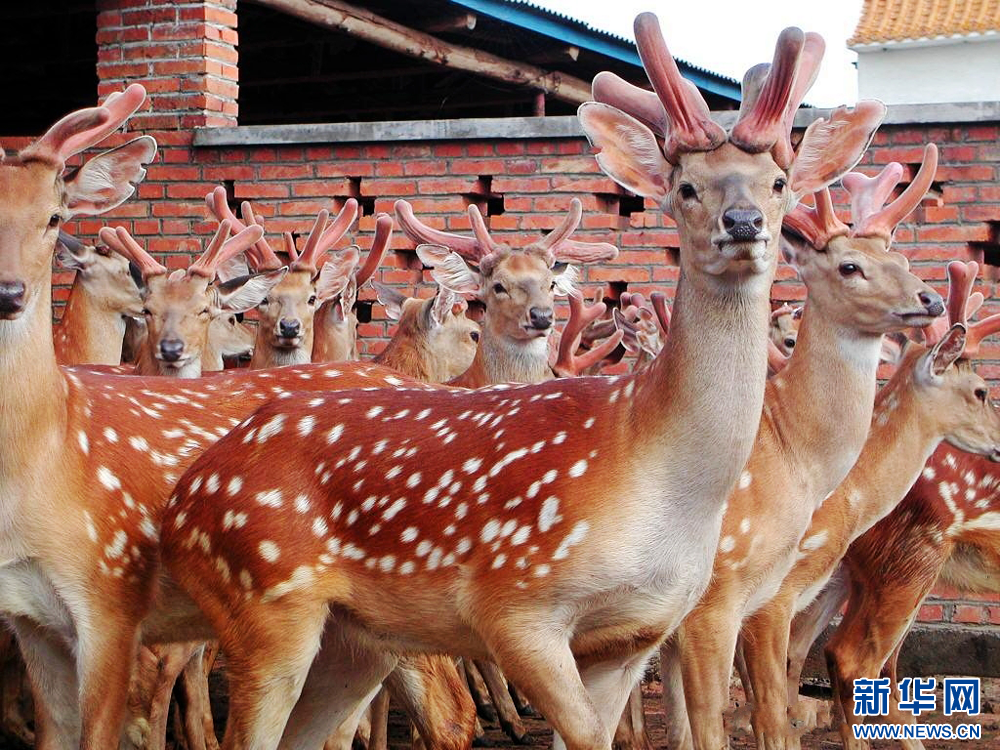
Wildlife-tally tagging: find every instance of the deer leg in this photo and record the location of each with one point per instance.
(631, 731)
(344, 675)
(510, 722)
(15, 692)
(105, 659)
(520, 702)
(610, 683)
(707, 645)
(765, 647)
(479, 691)
(436, 699)
(170, 662)
(269, 658)
(355, 730)
(541, 662)
(379, 737)
(52, 674)
(191, 707)
(678, 728)
(895, 715)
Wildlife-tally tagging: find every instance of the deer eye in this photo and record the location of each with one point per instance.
(687, 190)
(779, 184)
(790, 343)
(266, 301)
(848, 269)
(54, 220)
(312, 300)
(981, 394)
(204, 312)
(499, 289)
(474, 335)
(146, 311)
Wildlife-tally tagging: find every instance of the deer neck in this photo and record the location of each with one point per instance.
(505, 360)
(265, 355)
(903, 437)
(831, 372)
(33, 400)
(88, 333)
(332, 336)
(700, 401)
(211, 360)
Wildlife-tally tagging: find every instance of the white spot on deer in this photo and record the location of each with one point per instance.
(815, 541)
(548, 516)
(490, 530)
(352, 517)
(91, 528)
(212, 484)
(334, 434)
(114, 550)
(727, 544)
(579, 531)
(374, 412)
(378, 448)
(578, 469)
(110, 435)
(387, 563)
(506, 460)
(745, 480)
(423, 548)
(499, 560)
(407, 568)
(559, 439)
(302, 577)
(223, 567)
(434, 558)
(146, 527)
(316, 402)
(409, 534)
(138, 443)
(319, 526)
(107, 478)
(521, 535)
(272, 427)
(306, 425)
(949, 460)
(394, 472)
(270, 498)
(233, 520)
(463, 546)
(269, 550)
(234, 486)
(389, 513)
(985, 522)
(744, 525)
(542, 570)
(471, 465)
(480, 484)
(84, 442)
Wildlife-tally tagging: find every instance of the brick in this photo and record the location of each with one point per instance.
(250, 190)
(967, 613)
(931, 613)
(284, 171)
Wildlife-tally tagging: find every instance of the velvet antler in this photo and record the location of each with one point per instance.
(119, 240)
(818, 225)
(568, 363)
(962, 303)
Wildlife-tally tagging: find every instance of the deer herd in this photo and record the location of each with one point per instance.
(478, 505)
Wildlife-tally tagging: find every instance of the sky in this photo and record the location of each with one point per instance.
(729, 36)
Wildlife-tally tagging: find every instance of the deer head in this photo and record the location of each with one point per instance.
(851, 273)
(434, 339)
(784, 329)
(38, 194)
(517, 286)
(727, 192)
(228, 336)
(106, 276)
(179, 306)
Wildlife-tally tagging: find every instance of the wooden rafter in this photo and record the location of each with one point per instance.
(383, 32)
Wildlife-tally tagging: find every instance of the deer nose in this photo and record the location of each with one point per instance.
(289, 329)
(11, 297)
(171, 349)
(743, 224)
(541, 317)
(932, 302)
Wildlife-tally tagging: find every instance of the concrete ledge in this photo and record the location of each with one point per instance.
(513, 128)
(933, 650)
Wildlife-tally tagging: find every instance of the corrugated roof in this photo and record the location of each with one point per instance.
(903, 20)
(573, 31)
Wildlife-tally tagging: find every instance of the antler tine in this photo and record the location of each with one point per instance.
(691, 126)
(568, 364)
(266, 259)
(223, 247)
(82, 129)
(339, 226)
(869, 194)
(961, 277)
(882, 223)
(481, 231)
(809, 65)
(816, 225)
(761, 128)
(218, 206)
(383, 234)
(978, 331)
(643, 105)
(306, 260)
(659, 301)
(121, 242)
(565, 228)
(416, 230)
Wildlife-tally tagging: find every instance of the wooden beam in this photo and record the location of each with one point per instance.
(465, 21)
(363, 24)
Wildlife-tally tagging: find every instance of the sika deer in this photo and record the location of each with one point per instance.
(104, 294)
(520, 558)
(89, 457)
(309, 317)
(856, 291)
(517, 287)
(179, 307)
(434, 341)
(785, 327)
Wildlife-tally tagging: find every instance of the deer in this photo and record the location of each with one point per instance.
(857, 290)
(434, 340)
(310, 316)
(517, 286)
(103, 296)
(179, 306)
(918, 523)
(465, 515)
(78, 592)
(785, 327)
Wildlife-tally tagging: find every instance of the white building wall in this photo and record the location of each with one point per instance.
(929, 72)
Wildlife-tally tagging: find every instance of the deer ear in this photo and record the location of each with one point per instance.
(831, 148)
(565, 277)
(242, 294)
(108, 179)
(794, 249)
(232, 268)
(336, 273)
(390, 299)
(71, 253)
(934, 364)
(444, 302)
(449, 270)
(627, 150)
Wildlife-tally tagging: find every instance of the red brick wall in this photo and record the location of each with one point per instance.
(185, 54)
